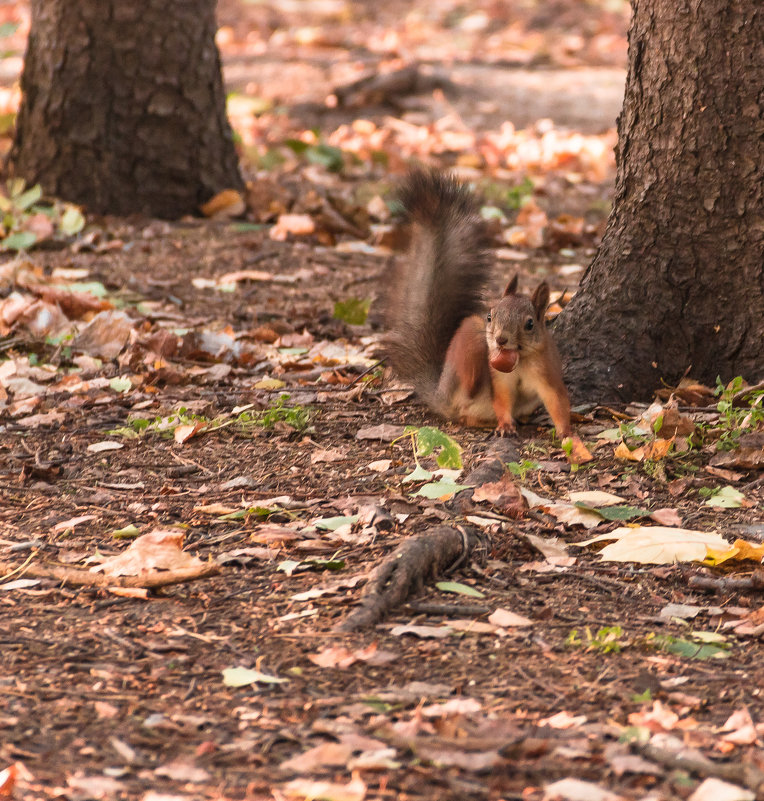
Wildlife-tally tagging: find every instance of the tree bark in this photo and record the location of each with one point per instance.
(678, 282)
(123, 108)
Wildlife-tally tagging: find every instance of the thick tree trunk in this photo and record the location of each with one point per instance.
(678, 282)
(123, 107)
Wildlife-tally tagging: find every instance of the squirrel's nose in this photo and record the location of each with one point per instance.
(501, 341)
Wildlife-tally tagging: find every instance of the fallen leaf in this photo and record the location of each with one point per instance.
(64, 525)
(657, 718)
(321, 756)
(157, 550)
(657, 545)
(623, 451)
(563, 720)
(241, 677)
(355, 790)
(106, 445)
(183, 770)
(575, 450)
(105, 335)
(739, 728)
(507, 619)
(385, 432)
(295, 224)
(578, 790)
(184, 433)
(329, 455)
(503, 495)
(740, 550)
(228, 203)
(380, 465)
(667, 517)
(717, 790)
(727, 498)
(595, 498)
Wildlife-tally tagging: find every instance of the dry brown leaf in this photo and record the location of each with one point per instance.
(579, 453)
(186, 432)
(666, 517)
(658, 718)
(507, 619)
(563, 720)
(228, 203)
(157, 550)
(295, 224)
(309, 790)
(739, 728)
(623, 451)
(503, 495)
(321, 756)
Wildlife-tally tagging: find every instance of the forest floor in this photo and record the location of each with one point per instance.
(218, 379)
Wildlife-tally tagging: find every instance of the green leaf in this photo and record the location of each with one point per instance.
(121, 384)
(241, 677)
(727, 497)
(326, 156)
(689, 649)
(72, 221)
(333, 523)
(429, 438)
(8, 29)
(615, 512)
(352, 311)
(288, 566)
(418, 474)
(26, 199)
(21, 240)
(296, 145)
(610, 433)
(126, 533)
(442, 489)
(246, 227)
(260, 511)
(95, 288)
(461, 589)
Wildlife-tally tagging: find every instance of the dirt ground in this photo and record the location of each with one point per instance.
(596, 676)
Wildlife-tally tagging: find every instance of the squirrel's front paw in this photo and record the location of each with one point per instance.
(505, 428)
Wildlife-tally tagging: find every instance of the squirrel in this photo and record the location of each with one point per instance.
(477, 369)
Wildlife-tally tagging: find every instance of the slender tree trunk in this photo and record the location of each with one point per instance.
(678, 282)
(123, 107)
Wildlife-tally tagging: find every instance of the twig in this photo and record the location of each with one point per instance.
(84, 578)
(748, 775)
(728, 583)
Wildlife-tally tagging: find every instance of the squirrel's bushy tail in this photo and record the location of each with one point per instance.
(440, 282)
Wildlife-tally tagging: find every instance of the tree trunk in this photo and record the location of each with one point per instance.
(123, 107)
(678, 282)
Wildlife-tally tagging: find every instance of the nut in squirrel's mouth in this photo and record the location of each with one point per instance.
(504, 359)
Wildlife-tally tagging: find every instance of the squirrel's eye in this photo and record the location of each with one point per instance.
(488, 317)
(529, 324)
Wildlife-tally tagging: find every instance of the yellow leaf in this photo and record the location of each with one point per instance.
(623, 452)
(579, 453)
(740, 550)
(228, 203)
(659, 448)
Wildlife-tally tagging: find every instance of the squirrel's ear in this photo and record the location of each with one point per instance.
(540, 299)
(511, 287)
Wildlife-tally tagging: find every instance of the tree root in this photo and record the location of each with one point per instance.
(406, 570)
